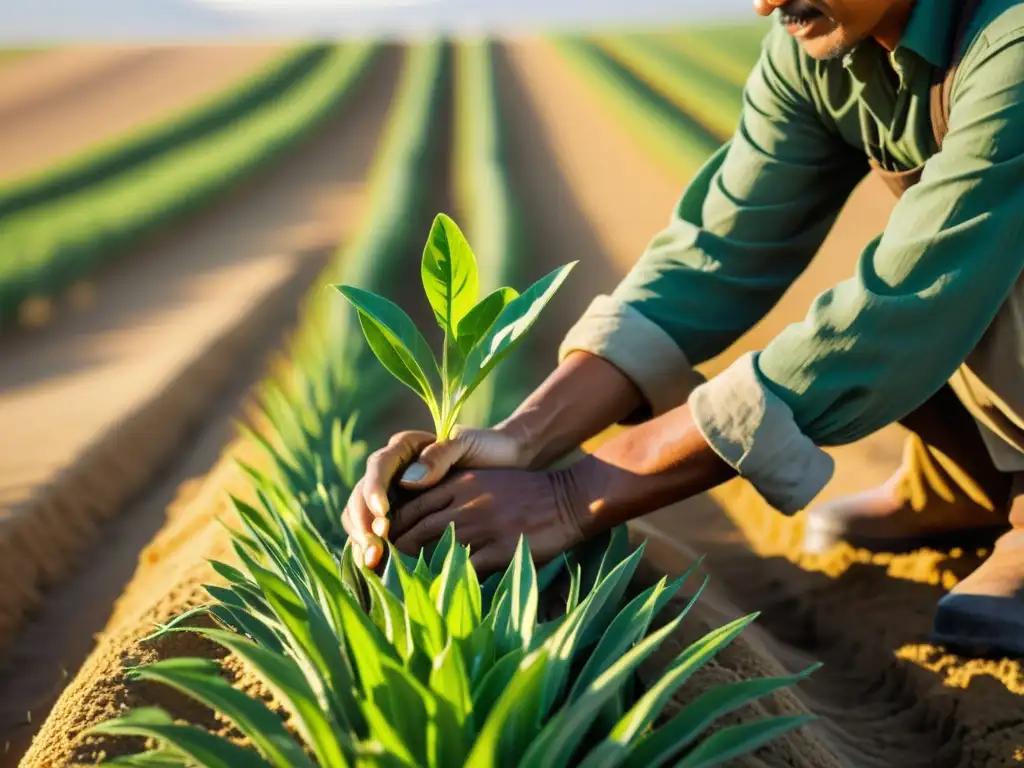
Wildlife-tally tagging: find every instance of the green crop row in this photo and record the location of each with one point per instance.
(484, 197)
(676, 137)
(108, 159)
(710, 99)
(423, 664)
(729, 58)
(59, 228)
(335, 392)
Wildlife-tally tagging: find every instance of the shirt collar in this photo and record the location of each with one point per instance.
(930, 29)
(928, 35)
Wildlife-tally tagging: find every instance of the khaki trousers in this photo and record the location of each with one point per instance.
(947, 469)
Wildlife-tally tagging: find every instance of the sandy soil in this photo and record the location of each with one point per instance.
(76, 386)
(865, 617)
(56, 103)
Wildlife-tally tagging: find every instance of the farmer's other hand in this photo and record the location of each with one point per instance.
(365, 516)
(492, 508)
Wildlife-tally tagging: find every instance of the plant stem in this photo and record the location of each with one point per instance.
(445, 393)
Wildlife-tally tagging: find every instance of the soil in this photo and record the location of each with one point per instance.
(278, 230)
(885, 698)
(59, 102)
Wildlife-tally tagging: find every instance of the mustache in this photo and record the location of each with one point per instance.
(800, 10)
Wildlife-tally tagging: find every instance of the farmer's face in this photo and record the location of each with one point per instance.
(831, 28)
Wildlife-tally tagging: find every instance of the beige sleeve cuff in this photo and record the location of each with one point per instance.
(754, 431)
(638, 347)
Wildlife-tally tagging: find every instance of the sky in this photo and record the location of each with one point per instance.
(31, 22)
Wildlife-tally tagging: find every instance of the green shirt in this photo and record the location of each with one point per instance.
(875, 346)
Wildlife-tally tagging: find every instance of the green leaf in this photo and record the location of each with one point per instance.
(284, 677)
(226, 618)
(495, 682)
(625, 630)
(548, 573)
(421, 610)
(229, 573)
(453, 591)
(573, 598)
(390, 577)
(649, 706)
(449, 682)
(659, 746)
(202, 747)
(225, 596)
(246, 623)
(617, 552)
(441, 552)
(373, 754)
(736, 740)
(408, 705)
(382, 731)
(201, 679)
(162, 758)
(310, 635)
(508, 330)
(515, 619)
(367, 645)
(489, 593)
(512, 723)
(449, 272)
(478, 321)
(395, 340)
(478, 652)
(569, 639)
(447, 741)
(258, 525)
(350, 575)
(564, 732)
(389, 615)
(323, 571)
(422, 570)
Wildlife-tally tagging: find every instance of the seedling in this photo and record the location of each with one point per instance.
(478, 333)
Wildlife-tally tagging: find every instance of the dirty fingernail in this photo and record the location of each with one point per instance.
(378, 504)
(371, 556)
(414, 473)
(381, 526)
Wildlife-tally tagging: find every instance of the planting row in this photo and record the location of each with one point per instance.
(679, 93)
(61, 225)
(424, 663)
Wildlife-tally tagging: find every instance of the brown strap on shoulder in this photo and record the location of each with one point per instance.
(942, 83)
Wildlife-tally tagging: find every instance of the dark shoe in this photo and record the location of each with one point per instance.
(984, 614)
(878, 520)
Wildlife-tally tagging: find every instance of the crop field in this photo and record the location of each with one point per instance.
(227, 272)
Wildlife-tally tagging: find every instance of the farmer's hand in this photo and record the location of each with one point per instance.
(492, 508)
(365, 516)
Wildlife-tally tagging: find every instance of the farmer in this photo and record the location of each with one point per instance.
(928, 331)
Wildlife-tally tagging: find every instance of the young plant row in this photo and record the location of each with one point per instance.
(61, 227)
(322, 407)
(710, 99)
(674, 135)
(723, 51)
(424, 663)
(106, 160)
(488, 208)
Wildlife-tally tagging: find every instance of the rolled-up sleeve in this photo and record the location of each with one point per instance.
(874, 347)
(744, 229)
